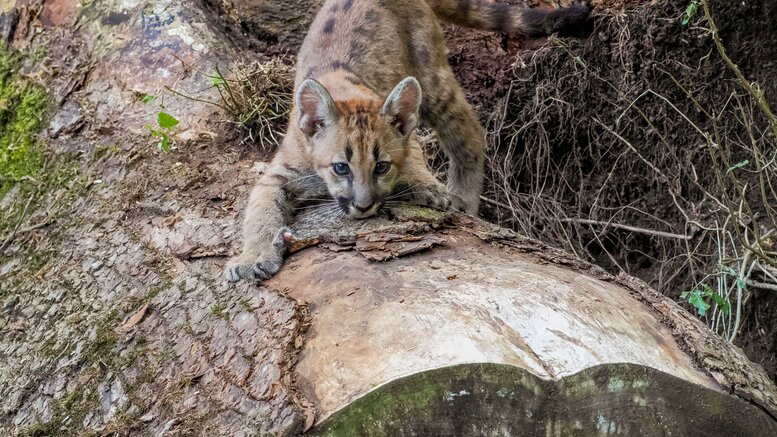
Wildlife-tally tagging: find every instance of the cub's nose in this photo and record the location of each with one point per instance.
(363, 208)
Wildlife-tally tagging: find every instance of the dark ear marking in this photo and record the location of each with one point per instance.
(329, 26)
(316, 108)
(401, 106)
(340, 65)
(354, 80)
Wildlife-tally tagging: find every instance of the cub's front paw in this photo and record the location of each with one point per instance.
(254, 265)
(436, 197)
(253, 270)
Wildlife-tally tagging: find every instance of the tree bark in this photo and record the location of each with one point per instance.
(116, 317)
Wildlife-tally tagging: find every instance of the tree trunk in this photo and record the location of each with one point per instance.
(116, 317)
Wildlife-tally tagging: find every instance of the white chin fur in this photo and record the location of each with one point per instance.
(356, 214)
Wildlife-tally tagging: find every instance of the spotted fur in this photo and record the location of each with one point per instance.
(368, 72)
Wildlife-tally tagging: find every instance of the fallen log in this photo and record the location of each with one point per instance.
(425, 323)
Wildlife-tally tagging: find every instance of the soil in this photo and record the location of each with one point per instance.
(545, 108)
(758, 338)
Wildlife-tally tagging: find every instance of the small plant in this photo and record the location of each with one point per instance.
(147, 98)
(690, 12)
(164, 129)
(256, 96)
(702, 299)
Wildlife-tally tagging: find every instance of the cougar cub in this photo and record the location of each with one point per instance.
(367, 73)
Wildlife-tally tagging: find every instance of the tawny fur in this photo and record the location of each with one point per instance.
(367, 73)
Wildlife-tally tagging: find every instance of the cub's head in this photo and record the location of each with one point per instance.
(358, 146)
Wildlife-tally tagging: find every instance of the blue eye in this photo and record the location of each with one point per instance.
(341, 168)
(382, 167)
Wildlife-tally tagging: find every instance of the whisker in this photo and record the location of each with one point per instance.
(302, 178)
(320, 206)
(325, 199)
(403, 192)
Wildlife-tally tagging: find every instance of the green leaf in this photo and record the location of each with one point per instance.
(740, 281)
(164, 145)
(698, 302)
(166, 120)
(217, 80)
(696, 299)
(722, 303)
(147, 98)
(738, 165)
(690, 12)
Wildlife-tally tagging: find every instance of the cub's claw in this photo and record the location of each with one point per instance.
(262, 265)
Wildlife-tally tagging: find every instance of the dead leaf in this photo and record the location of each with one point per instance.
(134, 320)
(452, 277)
(310, 419)
(171, 220)
(297, 245)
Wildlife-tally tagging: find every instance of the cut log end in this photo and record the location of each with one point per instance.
(496, 400)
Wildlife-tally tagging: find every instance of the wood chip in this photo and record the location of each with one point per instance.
(377, 255)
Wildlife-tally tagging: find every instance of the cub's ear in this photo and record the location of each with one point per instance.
(401, 106)
(316, 108)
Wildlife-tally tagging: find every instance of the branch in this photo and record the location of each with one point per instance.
(752, 89)
(628, 228)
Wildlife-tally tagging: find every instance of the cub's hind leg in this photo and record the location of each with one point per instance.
(459, 133)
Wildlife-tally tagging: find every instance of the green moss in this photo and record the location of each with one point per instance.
(220, 310)
(22, 106)
(246, 305)
(373, 408)
(68, 416)
(103, 151)
(25, 166)
(101, 348)
(49, 348)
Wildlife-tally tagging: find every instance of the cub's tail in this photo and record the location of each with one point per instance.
(513, 20)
